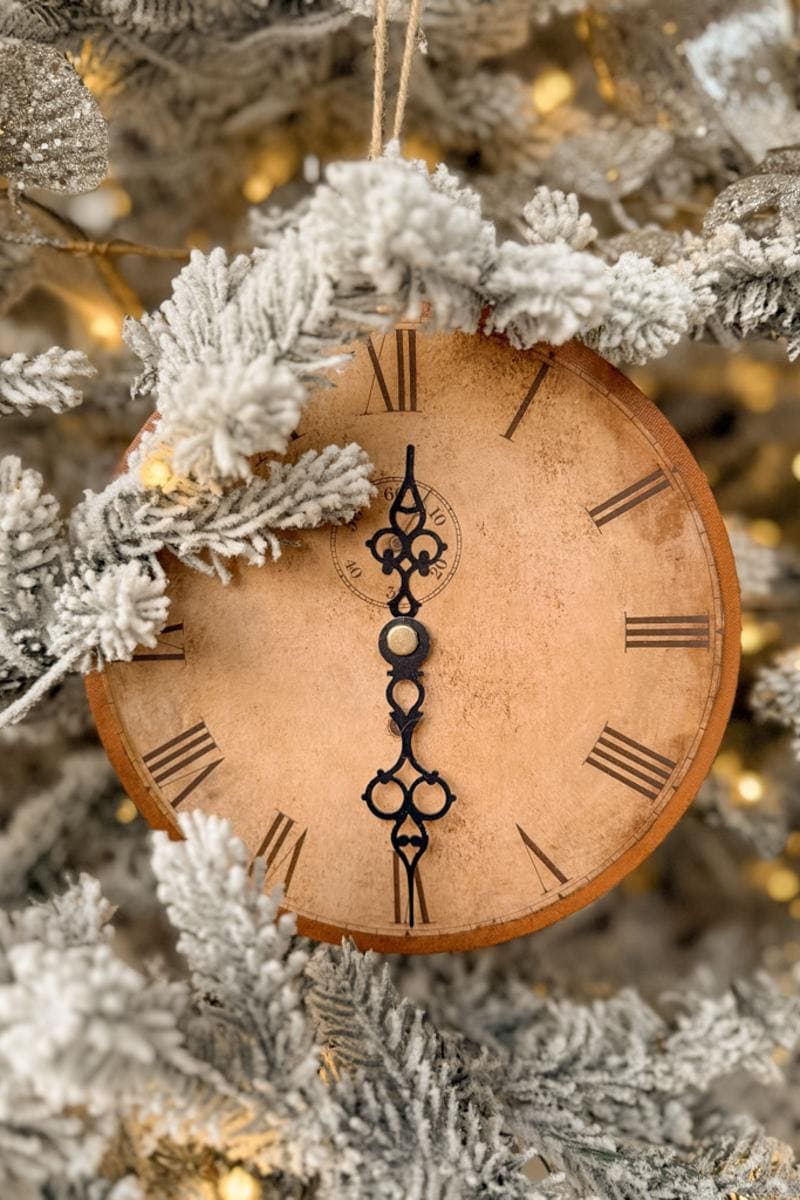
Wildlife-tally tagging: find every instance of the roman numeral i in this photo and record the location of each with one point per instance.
(173, 761)
(667, 632)
(281, 847)
(629, 498)
(630, 762)
(400, 893)
(403, 397)
(169, 646)
(526, 401)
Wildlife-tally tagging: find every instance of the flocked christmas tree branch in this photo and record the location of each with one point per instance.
(311, 1068)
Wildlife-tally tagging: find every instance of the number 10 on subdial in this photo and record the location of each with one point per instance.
(355, 565)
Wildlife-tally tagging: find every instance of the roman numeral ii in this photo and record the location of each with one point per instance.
(182, 758)
(667, 632)
(630, 762)
(403, 397)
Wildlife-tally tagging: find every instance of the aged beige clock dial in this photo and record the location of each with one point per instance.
(481, 703)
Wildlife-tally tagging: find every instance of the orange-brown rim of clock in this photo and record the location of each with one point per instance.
(574, 355)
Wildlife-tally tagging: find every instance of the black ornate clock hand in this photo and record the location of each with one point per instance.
(407, 548)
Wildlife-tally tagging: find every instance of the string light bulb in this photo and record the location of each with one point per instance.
(550, 89)
(765, 532)
(239, 1184)
(783, 884)
(750, 787)
(126, 811)
(272, 166)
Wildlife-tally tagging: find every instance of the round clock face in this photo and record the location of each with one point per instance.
(479, 704)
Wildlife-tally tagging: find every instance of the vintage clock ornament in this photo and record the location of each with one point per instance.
(478, 705)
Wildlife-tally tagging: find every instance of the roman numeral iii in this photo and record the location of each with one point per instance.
(526, 403)
(282, 846)
(630, 762)
(548, 874)
(666, 632)
(168, 648)
(403, 398)
(629, 498)
(174, 761)
(400, 893)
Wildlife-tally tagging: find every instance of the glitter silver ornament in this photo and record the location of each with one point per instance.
(608, 161)
(720, 75)
(52, 134)
(766, 204)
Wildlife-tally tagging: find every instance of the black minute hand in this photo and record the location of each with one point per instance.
(407, 547)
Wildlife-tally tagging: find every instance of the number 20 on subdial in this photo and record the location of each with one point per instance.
(356, 566)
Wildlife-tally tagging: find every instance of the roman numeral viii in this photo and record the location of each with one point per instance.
(526, 402)
(546, 870)
(687, 632)
(282, 846)
(630, 762)
(629, 498)
(400, 892)
(168, 648)
(403, 397)
(182, 758)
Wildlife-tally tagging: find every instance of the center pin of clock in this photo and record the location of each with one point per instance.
(402, 639)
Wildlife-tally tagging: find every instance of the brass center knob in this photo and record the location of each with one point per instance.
(402, 639)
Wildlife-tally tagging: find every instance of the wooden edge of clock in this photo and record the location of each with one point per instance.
(580, 357)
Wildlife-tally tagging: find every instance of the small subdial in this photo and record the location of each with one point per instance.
(357, 567)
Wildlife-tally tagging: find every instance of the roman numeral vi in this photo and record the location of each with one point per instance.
(400, 892)
(174, 761)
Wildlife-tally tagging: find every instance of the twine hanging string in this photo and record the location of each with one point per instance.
(380, 38)
(379, 81)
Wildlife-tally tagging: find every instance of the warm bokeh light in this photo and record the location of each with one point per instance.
(551, 88)
(750, 787)
(783, 884)
(239, 1184)
(105, 327)
(417, 147)
(126, 811)
(757, 634)
(272, 166)
(765, 532)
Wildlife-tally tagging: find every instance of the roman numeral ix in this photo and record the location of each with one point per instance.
(546, 870)
(688, 632)
(173, 761)
(404, 398)
(526, 403)
(630, 762)
(168, 648)
(400, 892)
(629, 498)
(281, 847)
